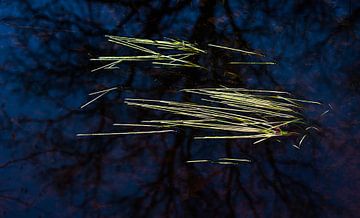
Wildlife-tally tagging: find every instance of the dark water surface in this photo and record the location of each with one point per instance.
(46, 171)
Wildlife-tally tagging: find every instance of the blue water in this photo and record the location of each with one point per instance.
(46, 171)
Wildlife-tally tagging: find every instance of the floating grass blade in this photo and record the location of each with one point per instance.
(101, 93)
(302, 139)
(169, 52)
(245, 114)
(197, 161)
(312, 127)
(325, 112)
(92, 100)
(182, 49)
(235, 49)
(124, 133)
(226, 89)
(168, 44)
(252, 63)
(235, 159)
(237, 113)
(221, 161)
(133, 125)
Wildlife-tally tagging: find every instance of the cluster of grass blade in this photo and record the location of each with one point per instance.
(170, 52)
(251, 114)
(236, 112)
(240, 113)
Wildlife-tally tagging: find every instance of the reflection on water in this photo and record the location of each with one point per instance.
(47, 172)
